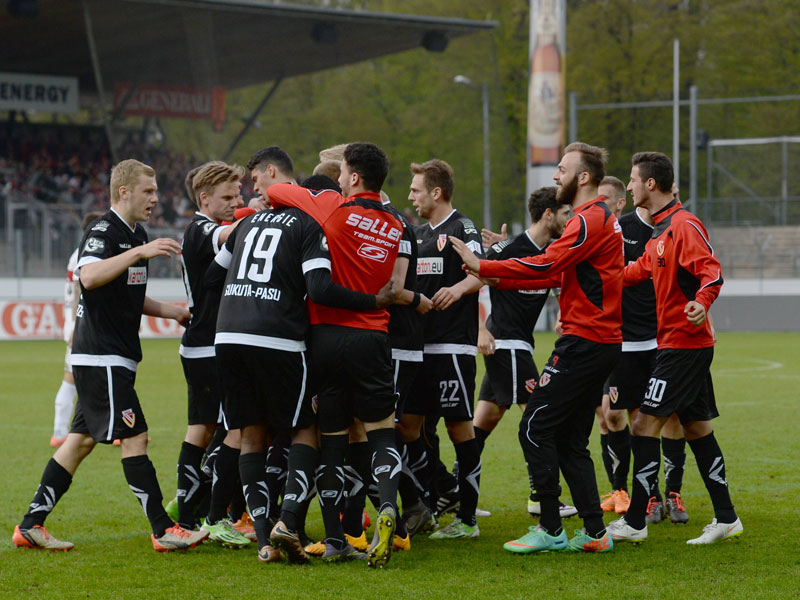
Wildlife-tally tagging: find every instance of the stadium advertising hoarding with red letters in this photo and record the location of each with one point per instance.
(173, 101)
(42, 320)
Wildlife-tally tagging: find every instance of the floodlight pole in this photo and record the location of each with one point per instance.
(487, 188)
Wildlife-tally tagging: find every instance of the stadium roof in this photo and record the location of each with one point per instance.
(228, 43)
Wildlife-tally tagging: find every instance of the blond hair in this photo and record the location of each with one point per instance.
(213, 173)
(436, 173)
(126, 174)
(332, 153)
(331, 168)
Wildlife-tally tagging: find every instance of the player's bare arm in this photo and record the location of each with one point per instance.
(96, 274)
(165, 310)
(472, 264)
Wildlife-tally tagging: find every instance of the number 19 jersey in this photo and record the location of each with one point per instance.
(263, 298)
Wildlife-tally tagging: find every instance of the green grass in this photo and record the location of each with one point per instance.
(756, 381)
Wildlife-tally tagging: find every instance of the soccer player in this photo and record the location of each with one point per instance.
(112, 270)
(215, 188)
(350, 350)
(587, 263)
(65, 397)
(505, 334)
(687, 278)
(446, 386)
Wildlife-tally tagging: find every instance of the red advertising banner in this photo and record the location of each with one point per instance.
(151, 100)
(39, 320)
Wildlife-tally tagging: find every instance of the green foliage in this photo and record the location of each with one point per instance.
(754, 382)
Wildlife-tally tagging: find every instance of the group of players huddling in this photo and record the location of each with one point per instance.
(326, 336)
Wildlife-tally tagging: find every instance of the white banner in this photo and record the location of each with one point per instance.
(44, 93)
(41, 320)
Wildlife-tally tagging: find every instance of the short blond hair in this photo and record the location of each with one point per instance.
(126, 174)
(333, 153)
(213, 173)
(331, 168)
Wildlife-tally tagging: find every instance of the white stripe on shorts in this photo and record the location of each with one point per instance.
(463, 387)
(110, 435)
(513, 376)
(302, 391)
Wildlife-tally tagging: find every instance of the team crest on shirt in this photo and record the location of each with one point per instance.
(530, 385)
(544, 379)
(441, 242)
(128, 417)
(660, 247)
(613, 394)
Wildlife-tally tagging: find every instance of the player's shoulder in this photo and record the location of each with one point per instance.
(465, 223)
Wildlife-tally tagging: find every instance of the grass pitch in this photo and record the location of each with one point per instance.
(756, 382)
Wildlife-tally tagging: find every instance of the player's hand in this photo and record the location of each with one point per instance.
(446, 297)
(386, 295)
(485, 342)
(559, 328)
(695, 313)
(489, 237)
(472, 264)
(425, 305)
(160, 247)
(183, 316)
(258, 203)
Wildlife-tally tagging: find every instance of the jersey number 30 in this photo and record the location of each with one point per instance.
(264, 250)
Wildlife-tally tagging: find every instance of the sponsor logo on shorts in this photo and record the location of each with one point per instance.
(373, 252)
(660, 247)
(613, 393)
(94, 244)
(137, 275)
(544, 379)
(128, 417)
(530, 385)
(441, 242)
(430, 266)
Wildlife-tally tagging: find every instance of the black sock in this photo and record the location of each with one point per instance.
(252, 471)
(674, 463)
(481, 435)
(189, 483)
(646, 462)
(238, 503)
(551, 518)
(607, 461)
(54, 484)
(619, 449)
(224, 480)
(277, 467)
(330, 486)
(386, 465)
(141, 477)
(418, 467)
(711, 464)
(406, 488)
(299, 483)
(207, 470)
(469, 479)
(357, 479)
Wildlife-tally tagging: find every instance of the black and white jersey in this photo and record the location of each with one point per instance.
(108, 317)
(455, 330)
(199, 247)
(515, 312)
(263, 297)
(639, 324)
(405, 324)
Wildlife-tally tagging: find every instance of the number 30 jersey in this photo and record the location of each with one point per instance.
(263, 298)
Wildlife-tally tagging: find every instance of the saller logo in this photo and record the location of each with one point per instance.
(373, 252)
(376, 226)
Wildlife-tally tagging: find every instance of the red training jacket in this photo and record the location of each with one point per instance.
(589, 258)
(363, 239)
(683, 266)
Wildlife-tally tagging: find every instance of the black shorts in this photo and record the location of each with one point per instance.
(265, 387)
(445, 387)
(510, 378)
(571, 381)
(681, 383)
(108, 408)
(353, 372)
(204, 389)
(405, 374)
(628, 381)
